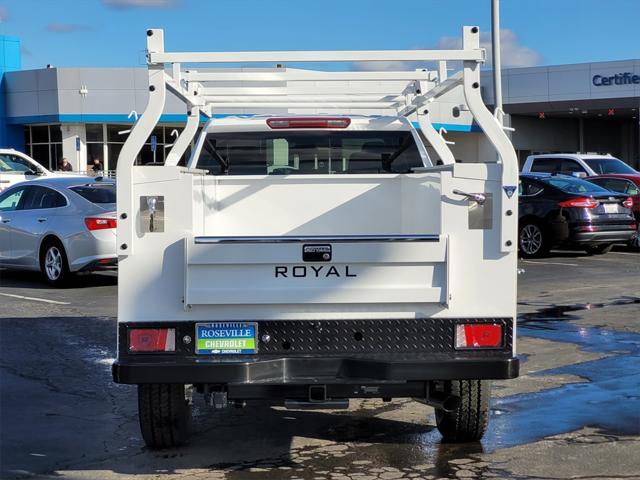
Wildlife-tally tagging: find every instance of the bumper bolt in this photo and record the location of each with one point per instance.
(186, 339)
(266, 338)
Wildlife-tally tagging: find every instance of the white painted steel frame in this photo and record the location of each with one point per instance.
(412, 98)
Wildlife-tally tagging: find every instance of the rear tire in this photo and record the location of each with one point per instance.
(165, 414)
(599, 249)
(469, 421)
(532, 240)
(54, 265)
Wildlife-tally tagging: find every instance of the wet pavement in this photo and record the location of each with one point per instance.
(573, 413)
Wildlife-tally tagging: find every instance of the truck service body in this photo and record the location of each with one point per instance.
(310, 258)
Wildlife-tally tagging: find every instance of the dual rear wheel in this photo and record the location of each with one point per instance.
(469, 421)
(164, 411)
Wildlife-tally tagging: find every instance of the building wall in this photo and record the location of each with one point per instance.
(562, 83)
(554, 135)
(549, 135)
(10, 60)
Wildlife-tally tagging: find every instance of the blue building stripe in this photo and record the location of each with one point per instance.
(453, 127)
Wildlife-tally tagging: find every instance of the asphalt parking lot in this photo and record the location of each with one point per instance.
(573, 413)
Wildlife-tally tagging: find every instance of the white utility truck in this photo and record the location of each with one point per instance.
(310, 258)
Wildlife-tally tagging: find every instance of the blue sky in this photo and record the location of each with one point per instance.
(111, 32)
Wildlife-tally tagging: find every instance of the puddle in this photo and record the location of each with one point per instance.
(608, 400)
(545, 317)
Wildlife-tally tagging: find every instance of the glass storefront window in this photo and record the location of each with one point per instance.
(114, 151)
(40, 134)
(44, 144)
(94, 132)
(40, 153)
(55, 134)
(114, 135)
(95, 151)
(56, 155)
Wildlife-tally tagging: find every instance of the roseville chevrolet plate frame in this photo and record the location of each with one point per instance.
(226, 351)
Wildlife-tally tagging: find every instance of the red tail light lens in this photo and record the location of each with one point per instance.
(308, 122)
(478, 335)
(580, 202)
(628, 203)
(99, 223)
(152, 340)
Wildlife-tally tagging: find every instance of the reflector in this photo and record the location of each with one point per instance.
(479, 335)
(152, 340)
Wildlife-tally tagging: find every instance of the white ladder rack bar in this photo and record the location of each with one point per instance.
(160, 57)
(289, 74)
(214, 96)
(319, 91)
(437, 91)
(306, 104)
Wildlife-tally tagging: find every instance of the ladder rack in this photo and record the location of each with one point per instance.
(404, 93)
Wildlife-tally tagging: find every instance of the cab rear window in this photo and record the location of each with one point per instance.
(96, 193)
(309, 152)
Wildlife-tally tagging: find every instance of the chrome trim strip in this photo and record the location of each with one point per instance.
(320, 238)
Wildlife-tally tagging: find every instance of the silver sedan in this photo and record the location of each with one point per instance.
(58, 226)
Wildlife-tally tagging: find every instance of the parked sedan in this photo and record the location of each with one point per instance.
(58, 226)
(628, 184)
(564, 211)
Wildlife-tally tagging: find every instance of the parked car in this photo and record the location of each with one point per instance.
(629, 184)
(576, 164)
(58, 226)
(16, 167)
(561, 210)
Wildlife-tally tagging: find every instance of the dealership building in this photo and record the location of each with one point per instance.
(86, 113)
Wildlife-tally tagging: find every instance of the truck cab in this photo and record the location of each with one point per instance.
(310, 258)
(577, 164)
(16, 167)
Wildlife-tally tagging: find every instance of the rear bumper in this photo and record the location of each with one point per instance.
(609, 236)
(324, 351)
(108, 263)
(85, 249)
(305, 370)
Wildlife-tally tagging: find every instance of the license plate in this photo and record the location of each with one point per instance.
(610, 208)
(234, 338)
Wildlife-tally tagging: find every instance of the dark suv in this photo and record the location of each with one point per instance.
(564, 211)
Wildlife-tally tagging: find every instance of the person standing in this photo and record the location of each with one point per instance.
(65, 166)
(96, 167)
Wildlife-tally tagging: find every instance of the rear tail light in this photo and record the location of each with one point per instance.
(580, 202)
(152, 340)
(308, 122)
(478, 335)
(628, 203)
(99, 223)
